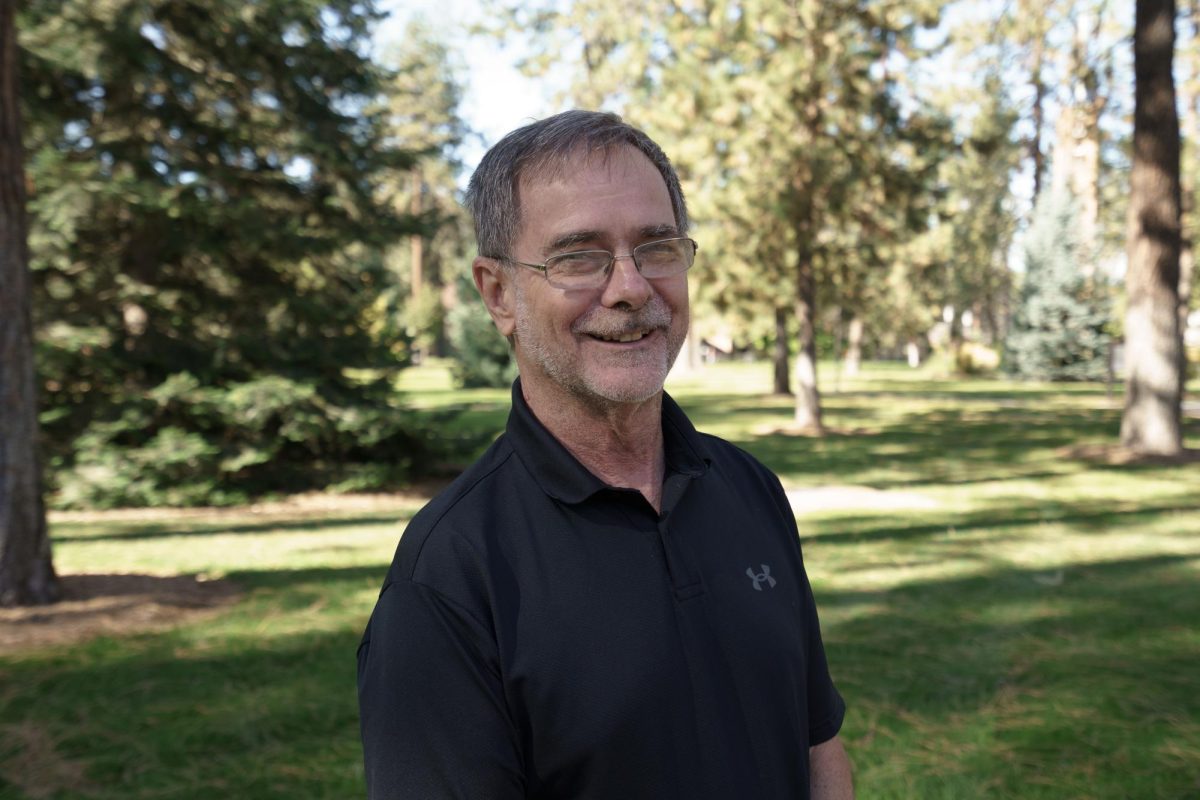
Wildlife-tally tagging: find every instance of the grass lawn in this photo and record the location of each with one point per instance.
(1005, 618)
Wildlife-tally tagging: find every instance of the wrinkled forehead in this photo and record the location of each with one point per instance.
(554, 166)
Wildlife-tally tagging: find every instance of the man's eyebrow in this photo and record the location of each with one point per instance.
(572, 239)
(575, 238)
(658, 231)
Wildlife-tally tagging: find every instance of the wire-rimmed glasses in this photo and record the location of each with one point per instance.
(589, 269)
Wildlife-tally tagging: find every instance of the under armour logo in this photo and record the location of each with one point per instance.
(761, 577)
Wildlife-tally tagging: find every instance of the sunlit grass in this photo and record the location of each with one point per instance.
(1005, 620)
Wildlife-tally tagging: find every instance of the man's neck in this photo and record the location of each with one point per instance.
(620, 443)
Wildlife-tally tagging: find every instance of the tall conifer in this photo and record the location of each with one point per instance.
(208, 215)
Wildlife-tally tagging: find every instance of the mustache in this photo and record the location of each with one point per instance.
(611, 323)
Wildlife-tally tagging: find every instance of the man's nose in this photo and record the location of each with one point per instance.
(626, 285)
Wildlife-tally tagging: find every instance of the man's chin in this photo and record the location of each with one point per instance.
(626, 388)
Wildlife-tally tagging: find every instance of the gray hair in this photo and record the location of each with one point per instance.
(547, 146)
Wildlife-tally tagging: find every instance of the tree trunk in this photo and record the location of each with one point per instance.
(1038, 83)
(1190, 125)
(1151, 421)
(1187, 273)
(26, 572)
(854, 337)
(956, 339)
(782, 382)
(416, 241)
(989, 324)
(808, 399)
(913, 351)
(803, 214)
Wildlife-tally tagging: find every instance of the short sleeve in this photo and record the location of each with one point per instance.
(826, 708)
(431, 702)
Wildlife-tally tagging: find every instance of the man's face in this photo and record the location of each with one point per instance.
(614, 343)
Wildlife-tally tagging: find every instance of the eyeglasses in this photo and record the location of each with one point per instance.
(589, 269)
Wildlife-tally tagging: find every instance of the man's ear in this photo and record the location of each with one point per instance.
(495, 285)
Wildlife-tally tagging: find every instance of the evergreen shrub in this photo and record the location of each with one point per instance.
(187, 444)
(1059, 328)
(482, 357)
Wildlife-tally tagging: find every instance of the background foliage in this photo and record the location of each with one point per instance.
(1058, 331)
(211, 203)
(246, 216)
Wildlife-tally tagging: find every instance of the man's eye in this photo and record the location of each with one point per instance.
(581, 261)
(658, 252)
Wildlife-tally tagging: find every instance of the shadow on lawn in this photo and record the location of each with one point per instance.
(307, 577)
(278, 719)
(975, 683)
(940, 437)
(120, 531)
(1085, 682)
(944, 446)
(1094, 516)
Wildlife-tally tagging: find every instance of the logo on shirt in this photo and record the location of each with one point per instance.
(759, 578)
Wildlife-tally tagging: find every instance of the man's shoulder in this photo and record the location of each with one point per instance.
(456, 514)
(729, 456)
(741, 471)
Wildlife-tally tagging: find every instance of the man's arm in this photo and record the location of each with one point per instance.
(433, 715)
(829, 771)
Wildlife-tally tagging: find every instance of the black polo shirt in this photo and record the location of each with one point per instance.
(544, 635)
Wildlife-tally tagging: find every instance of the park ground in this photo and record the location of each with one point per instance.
(1009, 605)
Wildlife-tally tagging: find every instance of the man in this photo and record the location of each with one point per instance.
(607, 604)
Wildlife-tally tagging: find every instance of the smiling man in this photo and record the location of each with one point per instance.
(607, 604)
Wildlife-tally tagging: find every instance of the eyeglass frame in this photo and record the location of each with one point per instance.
(544, 268)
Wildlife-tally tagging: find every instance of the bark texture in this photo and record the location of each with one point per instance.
(852, 364)
(782, 380)
(1189, 92)
(1151, 422)
(808, 399)
(416, 241)
(26, 573)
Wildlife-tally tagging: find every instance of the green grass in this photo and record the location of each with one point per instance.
(1005, 620)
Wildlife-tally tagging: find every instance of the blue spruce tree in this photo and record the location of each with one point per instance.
(1058, 329)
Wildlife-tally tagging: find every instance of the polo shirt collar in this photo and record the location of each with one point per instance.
(560, 474)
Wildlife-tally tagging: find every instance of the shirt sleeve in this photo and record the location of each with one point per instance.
(431, 702)
(826, 708)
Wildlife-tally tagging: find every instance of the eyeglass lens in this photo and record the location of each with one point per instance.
(659, 259)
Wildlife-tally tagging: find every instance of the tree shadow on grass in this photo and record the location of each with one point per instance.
(168, 719)
(950, 443)
(1093, 516)
(311, 577)
(256, 704)
(1086, 682)
(944, 446)
(961, 685)
(100, 604)
(131, 531)
(127, 604)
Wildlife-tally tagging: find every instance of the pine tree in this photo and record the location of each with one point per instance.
(1058, 331)
(1151, 422)
(207, 225)
(423, 114)
(26, 570)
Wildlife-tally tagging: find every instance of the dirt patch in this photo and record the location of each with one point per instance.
(808, 431)
(113, 605)
(36, 767)
(1116, 455)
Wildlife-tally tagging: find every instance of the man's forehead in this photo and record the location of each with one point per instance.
(560, 166)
